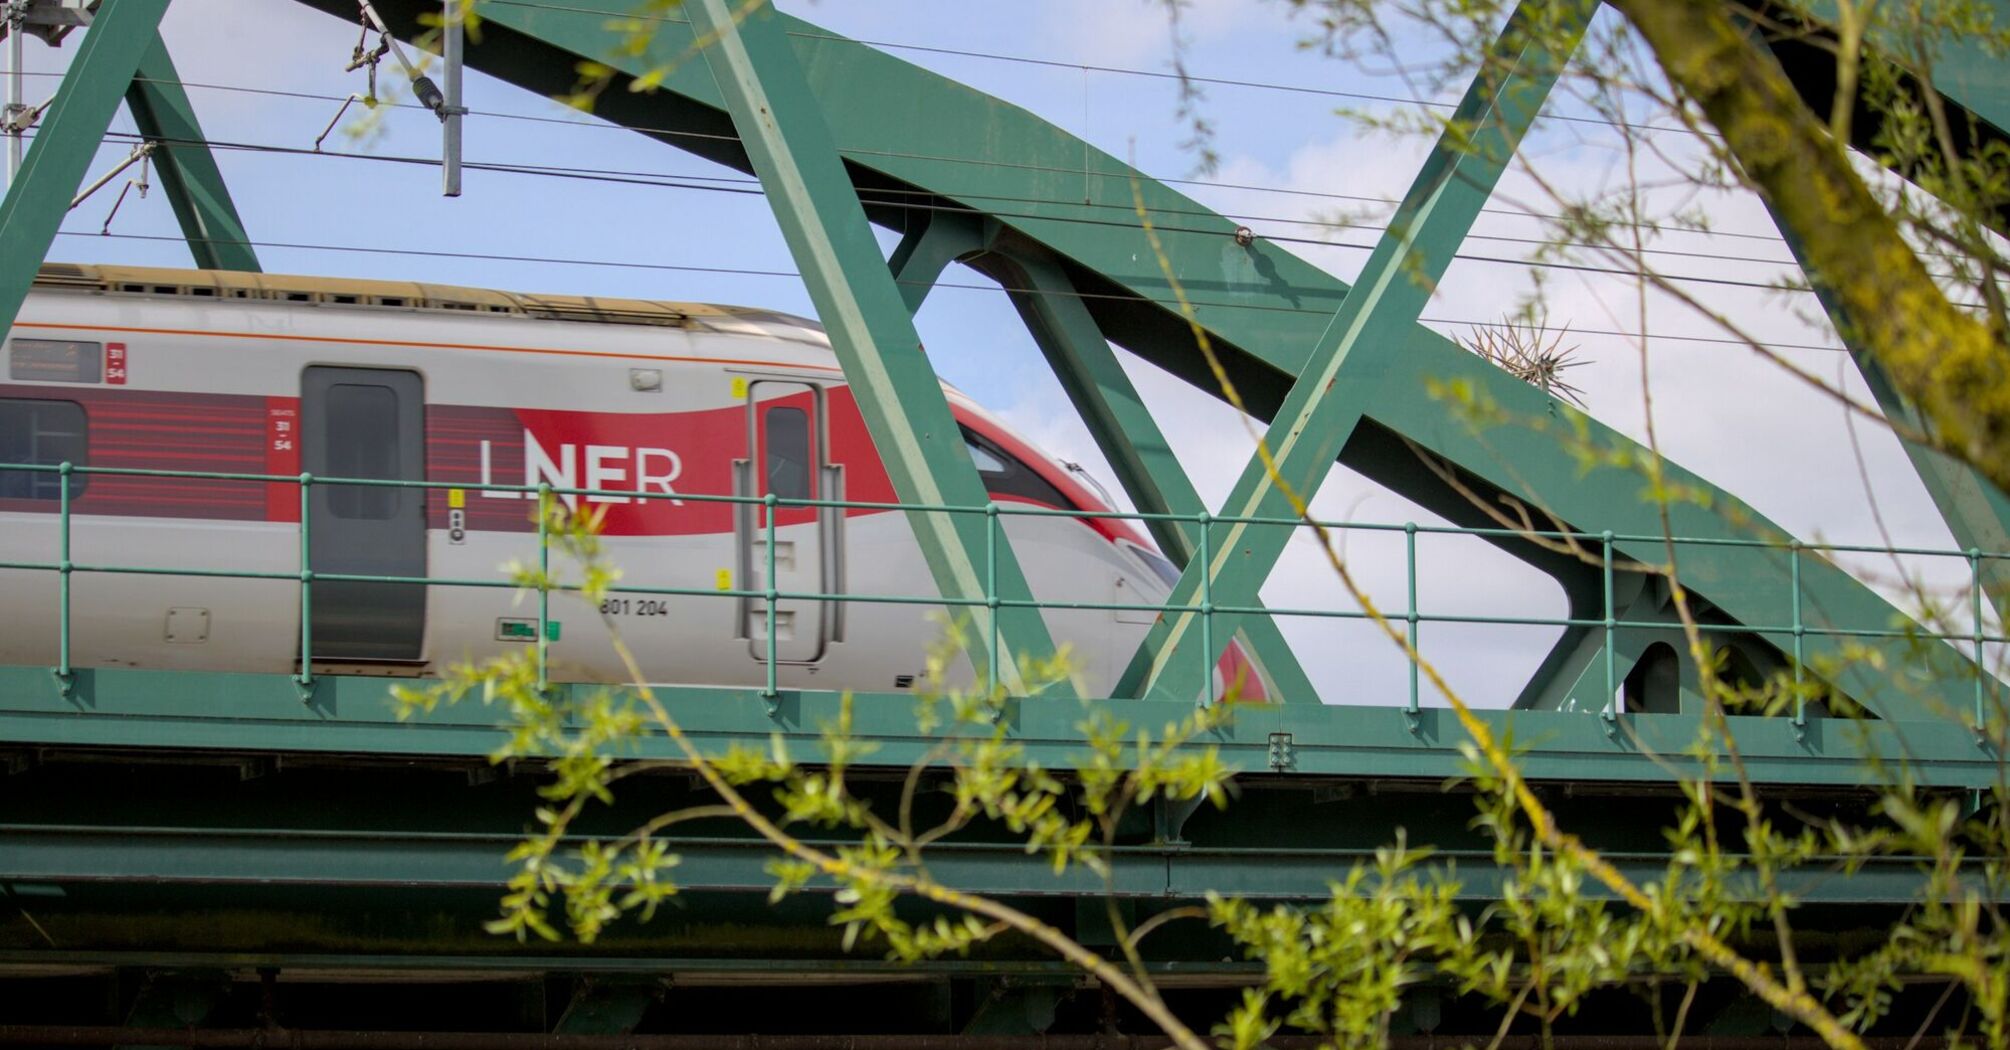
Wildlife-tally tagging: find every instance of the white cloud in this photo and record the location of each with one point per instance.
(1139, 33)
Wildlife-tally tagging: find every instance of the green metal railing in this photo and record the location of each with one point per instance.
(1978, 637)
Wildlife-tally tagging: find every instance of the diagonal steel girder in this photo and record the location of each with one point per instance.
(1137, 450)
(1976, 511)
(871, 330)
(913, 140)
(68, 139)
(187, 170)
(1102, 394)
(1352, 358)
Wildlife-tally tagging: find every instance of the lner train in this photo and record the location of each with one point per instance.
(211, 371)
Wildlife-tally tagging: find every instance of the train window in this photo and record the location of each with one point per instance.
(1006, 475)
(44, 433)
(986, 462)
(788, 453)
(362, 442)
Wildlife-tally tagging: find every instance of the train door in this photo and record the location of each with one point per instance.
(365, 423)
(786, 457)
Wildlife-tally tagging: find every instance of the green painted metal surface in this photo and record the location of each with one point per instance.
(1339, 381)
(187, 170)
(1966, 68)
(124, 708)
(267, 856)
(1102, 394)
(56, 161)
(929, 245)
(167, 868)
(395, 832)
(903, 129)
(1131, 441)
(870, 329)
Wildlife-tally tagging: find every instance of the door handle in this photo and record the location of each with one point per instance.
(831, 536)
(743, 548)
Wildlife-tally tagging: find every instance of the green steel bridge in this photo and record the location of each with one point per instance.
(219, 854)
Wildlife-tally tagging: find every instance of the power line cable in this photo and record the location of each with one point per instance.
(1153, 74)
(1166, 180)
(1202, 213)
(670, 183)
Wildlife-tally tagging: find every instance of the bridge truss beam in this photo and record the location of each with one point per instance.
(333, 854)
(54, 167)
(913, 141)
(872, 331)
(1336, 384)
(189, 176)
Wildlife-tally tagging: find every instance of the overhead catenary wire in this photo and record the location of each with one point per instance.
(1128, 71)
(676, 133)
(1125, 208)
(738, 271)
(742, 184)
(752, 189)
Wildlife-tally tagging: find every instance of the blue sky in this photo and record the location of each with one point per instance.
(1738, 420)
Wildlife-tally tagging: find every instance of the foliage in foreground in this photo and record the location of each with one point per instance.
(1557, 932)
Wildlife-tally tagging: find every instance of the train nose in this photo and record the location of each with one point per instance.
(1237, 678)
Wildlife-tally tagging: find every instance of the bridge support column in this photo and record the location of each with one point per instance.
(40, 197)
(1338, 383)
(871, 330)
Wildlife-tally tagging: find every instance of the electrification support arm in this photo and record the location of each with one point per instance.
(453, 34)
(39, 197)
(871, 330)
(1131, 440)
(1337, 384)
(187, 170)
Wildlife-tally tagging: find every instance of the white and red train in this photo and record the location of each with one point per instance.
(194, 370)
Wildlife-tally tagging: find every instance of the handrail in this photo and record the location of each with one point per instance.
(1412, 616)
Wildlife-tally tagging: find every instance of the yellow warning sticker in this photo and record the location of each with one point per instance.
(457, 498)
(739, 387)
(724, 580)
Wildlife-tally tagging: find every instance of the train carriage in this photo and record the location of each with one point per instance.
(649, 403)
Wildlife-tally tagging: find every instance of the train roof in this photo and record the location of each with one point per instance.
(423, 296)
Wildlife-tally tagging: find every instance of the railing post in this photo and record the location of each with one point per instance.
(66, 678)
(1800, 640)
(1975, 611)
(769, 690)
(991, 597)
(543, 650)
(1410, 561)
(1611, 712)
(1207, 653)
(305, 679)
